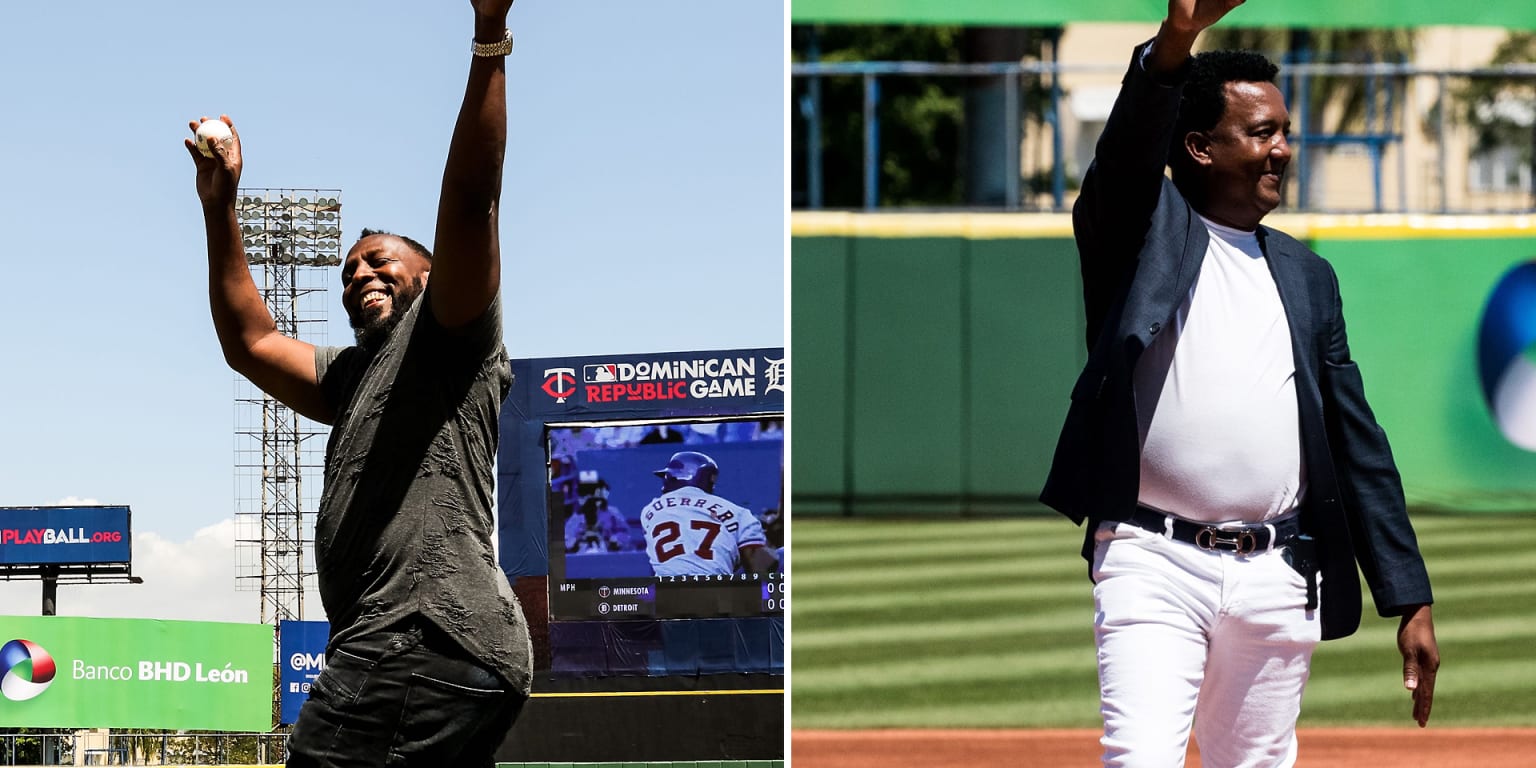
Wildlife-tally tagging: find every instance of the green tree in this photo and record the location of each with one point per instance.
(922, 157)
(921, 119)
(1343, 98)
(36, 746)
(1499, 109)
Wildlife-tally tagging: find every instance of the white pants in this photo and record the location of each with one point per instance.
(1185, 635)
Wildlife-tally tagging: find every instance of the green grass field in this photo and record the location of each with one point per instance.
(988, 623)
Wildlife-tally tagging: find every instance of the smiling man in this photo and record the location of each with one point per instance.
(1219, 443)
(429, 660)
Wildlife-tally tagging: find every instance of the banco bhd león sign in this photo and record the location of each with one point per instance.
(66, 672)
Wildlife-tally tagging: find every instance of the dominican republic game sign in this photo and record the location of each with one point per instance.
(66, 672)
(64, 535)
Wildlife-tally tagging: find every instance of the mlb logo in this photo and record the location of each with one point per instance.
(600, 374)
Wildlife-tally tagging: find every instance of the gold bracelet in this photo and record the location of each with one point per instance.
(499, 48)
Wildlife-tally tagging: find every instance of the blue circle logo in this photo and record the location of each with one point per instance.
(1506, 355)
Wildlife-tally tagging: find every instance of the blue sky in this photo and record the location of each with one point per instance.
(642, 210)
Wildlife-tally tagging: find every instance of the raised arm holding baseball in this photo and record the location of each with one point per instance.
(429, 661)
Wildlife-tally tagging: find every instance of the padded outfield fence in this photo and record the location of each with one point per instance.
(936, 353)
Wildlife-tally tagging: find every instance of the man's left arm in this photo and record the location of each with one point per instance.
(466, 264)
(752, 544)
(1372, 494)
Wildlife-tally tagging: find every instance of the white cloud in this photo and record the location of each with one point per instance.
(191, 580)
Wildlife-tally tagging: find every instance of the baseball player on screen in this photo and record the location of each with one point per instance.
(689, 531)
(1219, 444)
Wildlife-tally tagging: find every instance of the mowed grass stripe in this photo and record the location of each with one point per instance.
(896, 617)
(1507, 535)
(1463, 693)
(1017, 626)
(1491, 567)
(1008, 597)
(962, 707)
(895, 575)
(1032, 578)
(878, 656)
(873, 553)
(1437, 522)
(959, 668)
(1458, 592)
(832, 532)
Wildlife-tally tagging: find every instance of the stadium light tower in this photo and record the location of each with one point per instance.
(292, 240)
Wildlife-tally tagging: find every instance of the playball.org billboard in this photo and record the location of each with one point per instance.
(64, 535)
(66, 672)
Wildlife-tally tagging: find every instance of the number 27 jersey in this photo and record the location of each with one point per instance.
(689, 532)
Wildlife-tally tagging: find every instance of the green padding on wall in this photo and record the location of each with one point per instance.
(1413, 308)
(1026, 317)
(906, 352)
(819, 291)
(1518, 14)
(930, 368)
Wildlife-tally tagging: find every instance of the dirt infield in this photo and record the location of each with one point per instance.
(1320, 748)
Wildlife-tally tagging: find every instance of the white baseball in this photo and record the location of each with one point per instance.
(209, 132)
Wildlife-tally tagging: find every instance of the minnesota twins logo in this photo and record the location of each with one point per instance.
(560, 383)
(26, 670)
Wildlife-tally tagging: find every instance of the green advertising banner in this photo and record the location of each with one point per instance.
(65, 672)
(1515, 14)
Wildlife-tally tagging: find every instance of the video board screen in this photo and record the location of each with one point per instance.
(665, 519)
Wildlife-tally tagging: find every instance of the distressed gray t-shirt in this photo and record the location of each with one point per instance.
(405, 521)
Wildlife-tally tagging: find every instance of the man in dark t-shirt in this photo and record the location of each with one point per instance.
(429, 661)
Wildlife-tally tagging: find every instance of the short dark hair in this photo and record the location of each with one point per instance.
(415, 246)
(1205, 93)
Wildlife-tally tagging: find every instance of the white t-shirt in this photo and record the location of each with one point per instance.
(1216, 395)
(689, 532)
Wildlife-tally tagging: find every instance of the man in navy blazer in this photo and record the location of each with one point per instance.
(1219, 442)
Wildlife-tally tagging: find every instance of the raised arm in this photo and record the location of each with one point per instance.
(282, 367)
(1122, 187)
(1136, 136)
(466, 264)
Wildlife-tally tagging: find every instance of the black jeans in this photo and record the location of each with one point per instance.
(403, 698)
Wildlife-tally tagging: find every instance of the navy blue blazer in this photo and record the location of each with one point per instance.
(1140, 245)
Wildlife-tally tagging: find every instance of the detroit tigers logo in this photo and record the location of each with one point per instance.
(775, 374)
(560, 383)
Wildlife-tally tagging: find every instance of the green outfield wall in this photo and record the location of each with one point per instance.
(934, 354)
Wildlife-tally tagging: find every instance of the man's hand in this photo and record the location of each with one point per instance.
(1194, 16)
(1176, 37)
(491, 7)
(218, 177)
(490, 19)
(1421, 659)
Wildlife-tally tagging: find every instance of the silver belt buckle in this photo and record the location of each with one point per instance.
(1211, 538)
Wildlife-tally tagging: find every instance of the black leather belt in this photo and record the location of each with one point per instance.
(1241, 539)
